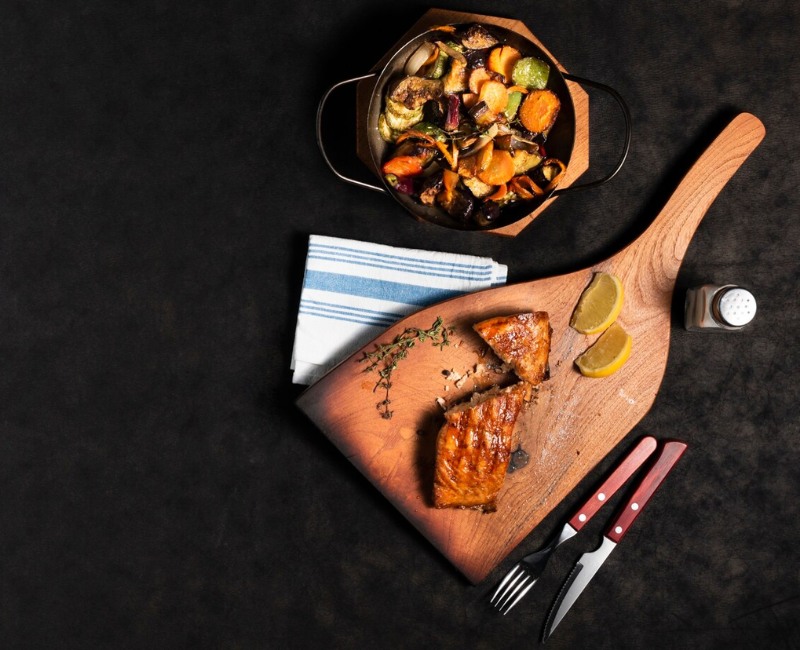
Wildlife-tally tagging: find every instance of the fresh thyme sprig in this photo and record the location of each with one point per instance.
(385, 357)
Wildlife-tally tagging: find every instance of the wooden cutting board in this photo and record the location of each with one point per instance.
(575, 421)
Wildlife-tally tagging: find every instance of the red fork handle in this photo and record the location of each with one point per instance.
(640, 453)
(670, 454)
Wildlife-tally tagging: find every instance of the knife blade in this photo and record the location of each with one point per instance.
(589, 564)
(511, 587)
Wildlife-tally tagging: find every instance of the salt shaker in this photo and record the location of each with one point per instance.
(713, 307)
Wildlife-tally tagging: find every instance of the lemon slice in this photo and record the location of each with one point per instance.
(608, 354)
(599, 305)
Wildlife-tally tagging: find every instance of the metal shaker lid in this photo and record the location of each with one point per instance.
(736, 306)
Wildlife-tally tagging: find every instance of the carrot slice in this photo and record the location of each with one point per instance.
(495, 95)
(411, 133)
(485, 156)
(525, 188)
(500, 169)
(403, 166)
(539, 110)
(476, 79)
(434, 55)
(499, 194)
(518, 89)
(503, 59)
(450, 179)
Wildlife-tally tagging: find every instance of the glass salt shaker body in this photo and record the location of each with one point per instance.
(713, 307)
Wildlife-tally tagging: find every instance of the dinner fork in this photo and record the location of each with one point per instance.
(526, 572)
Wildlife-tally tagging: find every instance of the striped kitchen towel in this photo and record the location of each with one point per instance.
(353, 290)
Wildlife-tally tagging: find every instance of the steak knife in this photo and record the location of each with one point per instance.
(589, 563)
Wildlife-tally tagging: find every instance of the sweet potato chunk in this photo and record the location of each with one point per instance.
(539, 110)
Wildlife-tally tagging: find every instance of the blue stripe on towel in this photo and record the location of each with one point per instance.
(384, 256)
(407, 268)
(409, 294)
(355, 310)
(354, 319)
(344, 315)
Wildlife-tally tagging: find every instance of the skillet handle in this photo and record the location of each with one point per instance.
(625, 113)
(319, 134)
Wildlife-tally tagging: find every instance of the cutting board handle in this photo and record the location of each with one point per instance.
(669, 235)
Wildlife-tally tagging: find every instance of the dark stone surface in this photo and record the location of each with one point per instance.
(158, 180)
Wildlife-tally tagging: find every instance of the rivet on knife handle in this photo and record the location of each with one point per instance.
(640, 453)
(670, 454)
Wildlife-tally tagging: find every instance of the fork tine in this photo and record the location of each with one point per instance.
(519, 597)
(508, 591)
(505, 580)
(515, 591)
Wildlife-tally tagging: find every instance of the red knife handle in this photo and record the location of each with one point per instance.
(640, 453)
(670, 454)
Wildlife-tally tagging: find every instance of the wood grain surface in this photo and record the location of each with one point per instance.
(574, 422)
(579, 161)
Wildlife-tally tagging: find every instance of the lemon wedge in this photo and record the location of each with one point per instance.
(608, 354)
(599, 305)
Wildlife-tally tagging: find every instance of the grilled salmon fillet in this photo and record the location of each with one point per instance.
(522, 341)
(474, 447)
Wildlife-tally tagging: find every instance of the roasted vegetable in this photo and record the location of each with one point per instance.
(502, 60)
(387, 133)
(500, 169)
(455, 81)
(478, 188)
(477, 37)
(488, 213)
(436, 69)
(431, 187)
(514, 100)
(495, 95)
(476, 58)
(400, 184)
(525, 161)
(413, 92)
(431, 130)
(539, 110)
(425, 53)
(400, 118)
(458, 203)
(531, 73)
(403, 166)
(451, 121)
(453, 50)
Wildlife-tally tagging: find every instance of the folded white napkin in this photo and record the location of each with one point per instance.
(353, 290)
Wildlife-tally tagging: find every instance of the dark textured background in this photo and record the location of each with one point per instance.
(158, 180)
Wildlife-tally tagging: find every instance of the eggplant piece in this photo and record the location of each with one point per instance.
(435, 112)
(415, 150)
(477, 37)
(458, 205)
(431, 188)
(413, 92)
(487, 214)
(476, 58)
(524, 161)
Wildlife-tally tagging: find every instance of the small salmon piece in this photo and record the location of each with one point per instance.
(474, 447)
(522, 341)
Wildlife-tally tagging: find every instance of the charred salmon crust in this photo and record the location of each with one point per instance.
(474, 446)
(522, 341)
